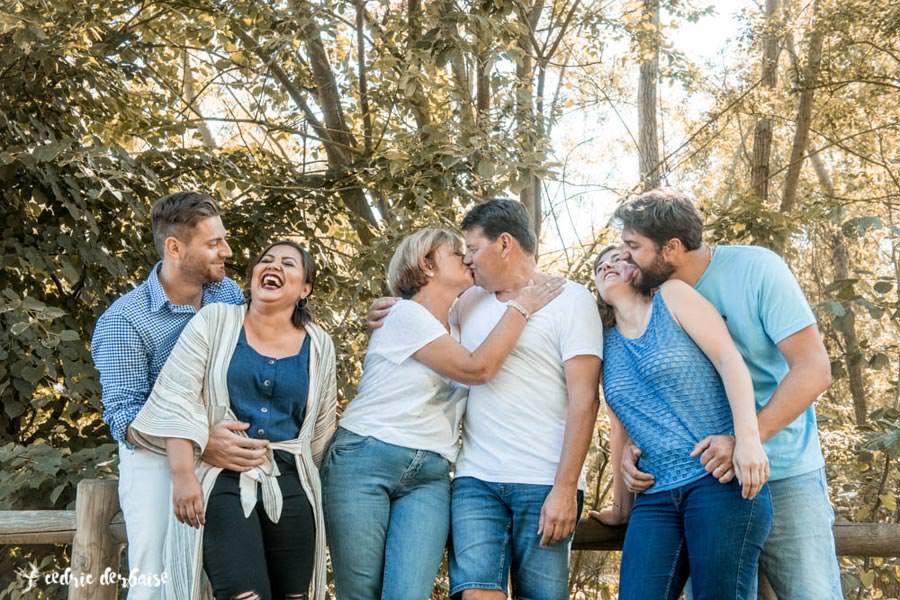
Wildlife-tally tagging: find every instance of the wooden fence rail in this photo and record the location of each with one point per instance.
(97, 534)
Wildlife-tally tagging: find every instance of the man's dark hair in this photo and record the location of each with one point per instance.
(174, 215)
(301, 315)
(662, 215)
(501, 215)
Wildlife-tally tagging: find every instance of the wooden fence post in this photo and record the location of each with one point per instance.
(94, 547)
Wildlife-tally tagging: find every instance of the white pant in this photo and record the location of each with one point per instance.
(145, 494)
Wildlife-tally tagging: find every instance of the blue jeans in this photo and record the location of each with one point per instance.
(495, 531)
(705, 528)
(387, 515)
(799, 557)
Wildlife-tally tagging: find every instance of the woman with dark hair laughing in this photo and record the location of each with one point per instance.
(258, 534)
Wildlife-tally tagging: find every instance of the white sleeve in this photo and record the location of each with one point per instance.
(408, 328)
(580, 327)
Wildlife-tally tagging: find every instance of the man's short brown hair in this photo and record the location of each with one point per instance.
(176, 214)
(661, 215)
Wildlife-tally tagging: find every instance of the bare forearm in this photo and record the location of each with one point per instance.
(181, 455)
(451, 359)
(582, 415)
(622, 498)
(793, 396)
(739, 389)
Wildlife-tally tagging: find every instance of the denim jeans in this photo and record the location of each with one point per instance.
(799, 557)
(387, 515)
(495, 532)
(705, 528)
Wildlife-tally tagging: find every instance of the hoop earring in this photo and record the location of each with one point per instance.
(301, 303)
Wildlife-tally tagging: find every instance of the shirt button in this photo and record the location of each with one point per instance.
(271, 362)
(267, 383)
(264, 409)
(260, 432)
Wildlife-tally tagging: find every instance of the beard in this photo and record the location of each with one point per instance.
(196, 268)
(650, 278)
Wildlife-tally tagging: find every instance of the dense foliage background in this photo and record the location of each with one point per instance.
(349, 122)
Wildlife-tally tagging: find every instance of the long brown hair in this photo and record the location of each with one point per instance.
(301, 316)
(607, 314)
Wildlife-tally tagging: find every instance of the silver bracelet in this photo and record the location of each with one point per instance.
(520, 308)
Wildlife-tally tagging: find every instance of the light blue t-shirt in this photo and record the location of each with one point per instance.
(762, 304)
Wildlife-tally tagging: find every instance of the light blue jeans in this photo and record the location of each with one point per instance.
(387, 516)
(799, 557)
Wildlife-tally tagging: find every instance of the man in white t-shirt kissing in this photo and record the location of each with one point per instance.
(519, 487)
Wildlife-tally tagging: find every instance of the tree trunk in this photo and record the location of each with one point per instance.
(335, 127)
(361, 75)
(525, 121)
(648, 144)
(846, 326)
(419, 101)
(807, 86)
(483, 65)
(762, 138)
(187, 93)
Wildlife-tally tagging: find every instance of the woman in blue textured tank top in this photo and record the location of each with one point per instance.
(672, 376)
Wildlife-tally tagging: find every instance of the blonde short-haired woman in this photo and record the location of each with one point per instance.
(386, 476)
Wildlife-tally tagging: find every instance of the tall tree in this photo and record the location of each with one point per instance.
(648, 138)
(846, 323)
(526, 126)
(807, 80)
(762, 137)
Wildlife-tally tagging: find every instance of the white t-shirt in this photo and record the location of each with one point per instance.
(400, 400)
(514, 424)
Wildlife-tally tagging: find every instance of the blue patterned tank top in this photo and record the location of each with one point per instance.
(668, 396)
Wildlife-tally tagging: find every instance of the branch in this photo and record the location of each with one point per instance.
(190, 98)
(329, 100)
(361, 74)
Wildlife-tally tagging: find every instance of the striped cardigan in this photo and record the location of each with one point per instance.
(191, 394)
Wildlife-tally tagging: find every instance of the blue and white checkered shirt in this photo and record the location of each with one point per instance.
(133, 339)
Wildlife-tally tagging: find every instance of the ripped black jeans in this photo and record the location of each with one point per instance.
(254, 558)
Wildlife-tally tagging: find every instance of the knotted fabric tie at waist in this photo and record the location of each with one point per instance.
(266, 475)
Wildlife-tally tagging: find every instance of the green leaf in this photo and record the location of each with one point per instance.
(13, 408)
(69, 335)
(867, 578)
(32, 374)
(883, 287)
(19, 327)
(54, 495)
(51, 312)
(835, 308)
(856, 228)
(878, 361)
(48, 152)
(30, 303)
(486, 168)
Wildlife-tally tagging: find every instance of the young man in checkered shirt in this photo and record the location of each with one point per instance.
(131, 343)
